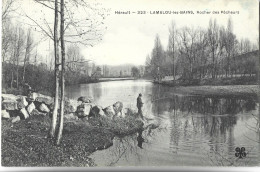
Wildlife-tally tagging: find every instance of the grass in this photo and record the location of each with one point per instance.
(26, 143)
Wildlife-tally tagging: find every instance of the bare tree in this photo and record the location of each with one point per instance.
(56, 71)
(62, 72)
(28, 48)
(7, 8)
(172, 45)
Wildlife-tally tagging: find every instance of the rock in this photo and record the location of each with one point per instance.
(44, 99)
(85, 99)
(121, 115)
(5, 114)
(9, 97)
(32, 96)
(16, 119)
(128, 112)
(24, 113)
(118, 106)
(71, 106)
(97, 111)
(23, 101)
(70, 116)
(44, 108)
(83, 110)
(9, 105)
(109, 111)
(30, 108)
(36, 112)
(20, 105)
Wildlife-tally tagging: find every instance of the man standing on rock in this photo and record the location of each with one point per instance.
(140, 105)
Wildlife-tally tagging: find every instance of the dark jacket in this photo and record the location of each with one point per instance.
(139, 102)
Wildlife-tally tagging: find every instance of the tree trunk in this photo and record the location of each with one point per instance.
(62, 71)
(56, 72)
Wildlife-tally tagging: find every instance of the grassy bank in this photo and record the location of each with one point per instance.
(219, 91)
(26, 143)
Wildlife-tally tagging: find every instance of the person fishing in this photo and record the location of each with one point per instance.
(140, 105)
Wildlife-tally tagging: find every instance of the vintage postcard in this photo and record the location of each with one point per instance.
(130, 83)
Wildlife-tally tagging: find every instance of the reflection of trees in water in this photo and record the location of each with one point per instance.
(204, 105)
(132, 146)
(190, 120)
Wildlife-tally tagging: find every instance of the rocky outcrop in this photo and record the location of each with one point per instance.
(38, 104)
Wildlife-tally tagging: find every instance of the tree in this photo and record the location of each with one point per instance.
(62, 72)
(157, 58)
(172, 45)
(56, 72)
(28, 49)
(135, 72)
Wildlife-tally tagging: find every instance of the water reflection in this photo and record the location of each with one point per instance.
(193, 130)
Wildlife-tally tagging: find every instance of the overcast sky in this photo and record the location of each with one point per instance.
(129, 38)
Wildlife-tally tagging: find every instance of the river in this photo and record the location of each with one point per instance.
(193, 130)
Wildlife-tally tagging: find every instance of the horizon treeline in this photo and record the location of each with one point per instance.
(197, 53)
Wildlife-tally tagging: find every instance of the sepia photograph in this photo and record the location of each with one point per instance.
(130, 83)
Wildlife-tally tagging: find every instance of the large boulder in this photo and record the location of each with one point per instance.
(97, 111)
(30, 108)
(83, 110)
(85, 99)
(5, 114)
(110, 111)
(32, 96)
(22, 101)
(44, 108)
(118, 106)
(9, 105)
(9, 97)
(24, 113)
(44, 99)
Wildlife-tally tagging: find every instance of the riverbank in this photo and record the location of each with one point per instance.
(25, 140)
(228, 90)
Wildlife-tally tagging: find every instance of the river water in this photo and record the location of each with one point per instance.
(193, 130)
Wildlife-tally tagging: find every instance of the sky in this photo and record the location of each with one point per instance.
(129, 38)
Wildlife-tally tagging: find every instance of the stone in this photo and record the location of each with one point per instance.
(109, 111)
(24, 113)
(20, 105)
(23, 101)
(83, 110)
(118, 106)
(5, 114)
(9, 97)
(97, 111)
(128, 112)
(16, 119)
(44, 99)
(44, 108)
(9, 105)
(70, 116)
(85, 99)
(30, 108)
(71, 106)
(32, 96)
